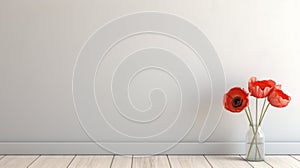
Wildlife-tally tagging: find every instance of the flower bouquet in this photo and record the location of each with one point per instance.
(236, 100)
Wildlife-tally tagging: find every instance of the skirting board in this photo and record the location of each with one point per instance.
(139, 148)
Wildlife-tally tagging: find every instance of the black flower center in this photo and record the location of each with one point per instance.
(237, 102)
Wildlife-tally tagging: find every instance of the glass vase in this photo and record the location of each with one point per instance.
(255, 144)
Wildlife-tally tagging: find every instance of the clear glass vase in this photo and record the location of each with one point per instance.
(255, 144)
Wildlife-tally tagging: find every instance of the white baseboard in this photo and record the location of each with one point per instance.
(139, 148)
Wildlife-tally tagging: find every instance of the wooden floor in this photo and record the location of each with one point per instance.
(159, 161)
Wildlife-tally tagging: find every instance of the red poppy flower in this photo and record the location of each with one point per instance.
(235, 100)
(260, 89)
(278, 99)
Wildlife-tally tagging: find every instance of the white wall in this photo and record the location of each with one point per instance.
(40, 41)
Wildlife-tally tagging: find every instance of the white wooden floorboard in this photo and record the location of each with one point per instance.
(122, 161)
(188, 161)
(16, 161)
(137, 161)
(227, 161)
(159, 161)
(282, 161)
(260, 164)
(49, 161)
(297, 157)
(91, 161)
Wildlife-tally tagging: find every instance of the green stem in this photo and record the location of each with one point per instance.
(260, 121)
(265, 111)
(262, 110)
(250, 121)
(256, 120)
(256, 111)
(249, 116)
(251, 145)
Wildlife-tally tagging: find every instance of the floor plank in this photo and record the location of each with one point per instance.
(297, 157)
(188, 161)
(91, 161)
(159, 161)
(282, 161)
(260, 164)
(122, 161)
(57, 161)
(224, 161)
(17, 161)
